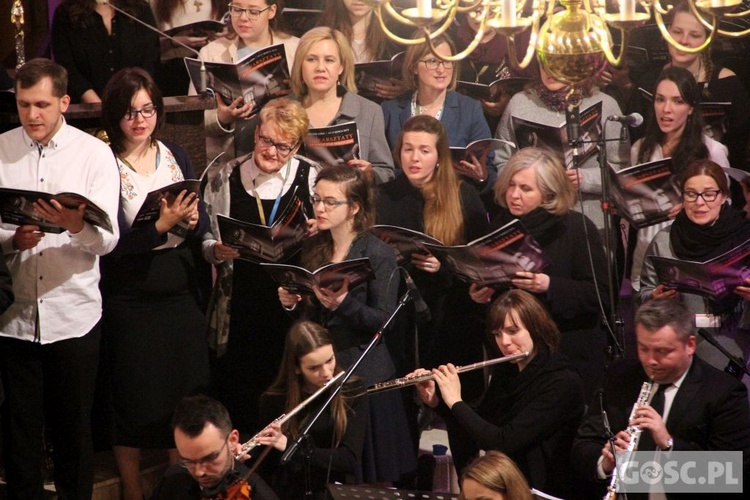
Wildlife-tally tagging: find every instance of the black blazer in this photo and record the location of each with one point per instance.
(709, 412)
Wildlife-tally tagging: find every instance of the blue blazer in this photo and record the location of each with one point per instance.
(462, 118)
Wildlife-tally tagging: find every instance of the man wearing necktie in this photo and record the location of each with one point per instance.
(693, 406)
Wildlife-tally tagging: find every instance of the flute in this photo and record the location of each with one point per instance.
(398, 383)
(253, 441)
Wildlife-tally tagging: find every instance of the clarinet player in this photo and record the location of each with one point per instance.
(693, 406)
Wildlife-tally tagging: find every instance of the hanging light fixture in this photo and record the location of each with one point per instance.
(572, 45)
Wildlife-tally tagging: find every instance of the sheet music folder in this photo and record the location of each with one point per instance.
(346, 492)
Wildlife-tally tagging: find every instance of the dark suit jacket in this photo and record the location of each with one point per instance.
(462, 118)
(709, 412)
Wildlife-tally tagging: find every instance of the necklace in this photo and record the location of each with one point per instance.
(418, 109)
(198, 4)
(140, 163)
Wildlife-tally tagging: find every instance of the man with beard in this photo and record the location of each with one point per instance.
(206, 444)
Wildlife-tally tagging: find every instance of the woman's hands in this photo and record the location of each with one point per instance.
(531, 282)
(272, 436)
(427, 390)
(425, 262)
(481, 295)
(224, 252)
(331, 299)
(446, 377)
(287, 298)
(236, 110)
(184, 206)
(660, 292)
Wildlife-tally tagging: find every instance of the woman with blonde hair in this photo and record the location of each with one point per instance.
(429, 197)
(494, 476)
(308, 363)
(244, 315)
(323, 80)
(431, 84)
(534, 188)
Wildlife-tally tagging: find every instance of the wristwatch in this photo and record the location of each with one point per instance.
(670, 444)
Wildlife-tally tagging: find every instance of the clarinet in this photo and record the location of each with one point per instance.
(635, 435)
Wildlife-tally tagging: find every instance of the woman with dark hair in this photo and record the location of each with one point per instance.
(429, 197)
(532, 406)
(494, 476)
(155, 347)
(252, 27)
(323, 80)
(93, 41)
(344, 210)
(706, 227)
(170, 14)
(534, 188)
(431, 85)
(674, 129)
(715, 83)
(244, 314)
(544, 102)
(336, 439)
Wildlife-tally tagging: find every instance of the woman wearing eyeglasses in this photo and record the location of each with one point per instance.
(323, 80)
(337, 438)
(344, 207)
(246, 322)
(431, 84)
(706, 227)
(253, 27)
(674, 129)
(155, 347)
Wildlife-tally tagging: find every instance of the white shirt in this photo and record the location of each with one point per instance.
(135, 188)
(59, 278)
(267, 186)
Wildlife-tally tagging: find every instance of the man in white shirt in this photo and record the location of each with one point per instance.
(49, 338)
(692, 405)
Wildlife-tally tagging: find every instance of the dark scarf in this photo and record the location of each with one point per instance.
(541, 224)
(555, 100)
(691, 241)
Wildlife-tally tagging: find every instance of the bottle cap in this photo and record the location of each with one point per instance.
(439, 449)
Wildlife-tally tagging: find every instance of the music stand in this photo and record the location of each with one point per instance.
(346, 492)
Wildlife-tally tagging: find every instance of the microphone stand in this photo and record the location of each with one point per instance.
(736, 366)
(614, 324)
(292, 449)
(204, 77)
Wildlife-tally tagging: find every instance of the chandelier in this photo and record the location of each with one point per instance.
(572, 45)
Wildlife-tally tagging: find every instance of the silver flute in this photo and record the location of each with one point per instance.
(253, 441)
(635, 435)
(398, 383)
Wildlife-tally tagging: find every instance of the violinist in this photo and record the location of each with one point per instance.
(207, 443)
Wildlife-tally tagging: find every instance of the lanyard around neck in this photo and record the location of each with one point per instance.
(261, 212)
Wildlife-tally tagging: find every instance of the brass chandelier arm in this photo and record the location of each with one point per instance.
(607, 47)
(429, 34)
(530, 48)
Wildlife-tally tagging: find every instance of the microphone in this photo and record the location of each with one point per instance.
(202, 89)
(573, 129)
(420, 306)
(631, 120)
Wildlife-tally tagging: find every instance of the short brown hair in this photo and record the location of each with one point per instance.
(708, 168)
(415, 53)
(37, 69)
(530, 312)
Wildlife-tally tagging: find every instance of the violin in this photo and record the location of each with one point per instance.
(239, 490)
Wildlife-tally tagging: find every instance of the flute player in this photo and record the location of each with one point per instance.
(531, 408)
